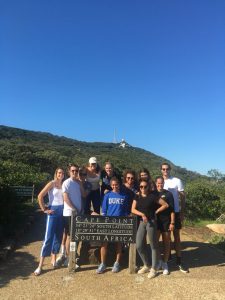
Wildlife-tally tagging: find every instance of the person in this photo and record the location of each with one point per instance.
(145, 174)
(144, 206)
(129, 186)
(54, 222)
(165, 222)
(86, 186)
(106, 176)
(175, 186)
(72, 193)
(93, 177)
(115, 204)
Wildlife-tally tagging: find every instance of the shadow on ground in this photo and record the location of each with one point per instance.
(21, 264)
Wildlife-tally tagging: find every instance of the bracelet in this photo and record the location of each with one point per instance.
(172, 223)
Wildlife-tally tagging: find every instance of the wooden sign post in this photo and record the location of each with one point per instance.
(103, 229)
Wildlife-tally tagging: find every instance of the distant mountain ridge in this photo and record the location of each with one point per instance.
(44, 152)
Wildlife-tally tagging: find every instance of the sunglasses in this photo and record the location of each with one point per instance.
(143, 186)
(130, 178)
(165, 169)
(76, 171)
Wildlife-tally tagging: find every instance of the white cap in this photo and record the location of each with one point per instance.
(93, 160)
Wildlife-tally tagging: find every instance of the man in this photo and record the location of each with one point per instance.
(175, 186)
(72, 190)
(165, 222)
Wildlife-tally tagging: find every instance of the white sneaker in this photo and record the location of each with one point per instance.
(143, 270)
(60, 260)
(152, 273)
(165, 268)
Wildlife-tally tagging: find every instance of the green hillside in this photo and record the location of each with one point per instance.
(31, 157)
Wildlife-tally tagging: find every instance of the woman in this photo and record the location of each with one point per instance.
(145, 207)
(145, 174)
(93, 176)
(129, 186)
(54, 225)
(106, 175)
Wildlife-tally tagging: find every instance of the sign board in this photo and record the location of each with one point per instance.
(24, 191)
(104, 229)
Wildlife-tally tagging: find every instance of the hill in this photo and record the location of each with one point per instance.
(35, 155)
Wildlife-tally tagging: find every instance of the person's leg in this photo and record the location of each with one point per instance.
(152, 234)
(177, 245)
(103, 253)
(141, 243)
(57, 237)
(166, 246)
(87, 207)
(118, 247)
(96, 201)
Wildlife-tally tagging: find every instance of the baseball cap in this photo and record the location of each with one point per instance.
(93, 160)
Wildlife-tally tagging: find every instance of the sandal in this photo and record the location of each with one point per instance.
(37, 272)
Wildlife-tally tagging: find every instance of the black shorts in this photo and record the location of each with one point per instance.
(67, 224)
(163, 223)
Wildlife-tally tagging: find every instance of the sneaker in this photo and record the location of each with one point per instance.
(165, 268)
(37, 272)
(66, 262)
(60, 260)
(116, 267)
(152, 274)
(159, 265)
(143, 270)
(183, 269)
(101, 268)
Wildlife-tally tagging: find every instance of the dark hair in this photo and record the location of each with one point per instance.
(128, 171)
(72, 165)
(144, 170)
(148, 184)
(159, 177)
(165, 163)
(114, 178)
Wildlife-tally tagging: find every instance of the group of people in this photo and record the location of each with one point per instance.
(158, 204)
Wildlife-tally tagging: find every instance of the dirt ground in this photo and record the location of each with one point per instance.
(206, 279)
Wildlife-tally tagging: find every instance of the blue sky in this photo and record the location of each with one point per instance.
(154, 70)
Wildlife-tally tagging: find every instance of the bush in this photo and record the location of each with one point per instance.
(202, 201)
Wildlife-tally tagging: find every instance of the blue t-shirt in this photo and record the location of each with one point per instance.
(115, 204)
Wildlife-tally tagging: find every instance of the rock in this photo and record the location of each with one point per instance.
(218, 228)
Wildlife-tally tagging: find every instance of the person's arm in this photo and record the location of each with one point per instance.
(163, 205)
(137, 212)
(172, 221)
(68, 201)
(41, 196)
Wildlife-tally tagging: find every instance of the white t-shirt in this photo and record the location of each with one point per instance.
(174, 185)
(72, 188)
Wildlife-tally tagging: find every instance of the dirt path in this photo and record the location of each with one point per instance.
(206, 279)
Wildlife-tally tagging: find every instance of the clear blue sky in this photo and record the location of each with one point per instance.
(154, 70)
